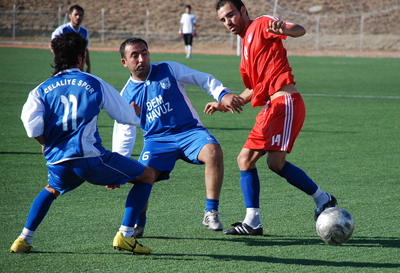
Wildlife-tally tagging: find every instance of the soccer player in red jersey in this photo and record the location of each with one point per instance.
(269, 83)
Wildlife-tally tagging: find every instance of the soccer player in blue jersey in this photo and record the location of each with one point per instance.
(61, 114)
(76, 15)
(172, 128)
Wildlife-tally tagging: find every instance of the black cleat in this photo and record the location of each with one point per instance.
(331, 203)
(240, 228)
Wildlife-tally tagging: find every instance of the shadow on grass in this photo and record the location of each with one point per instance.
(21, 153)
(273, 240)
(266, 240)
(274, 260)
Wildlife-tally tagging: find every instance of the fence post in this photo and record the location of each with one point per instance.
(238, 45)
(275, 8)
(317, 33)
(59, 15)
(362, 32)
(147, 24)
(102, 26)
(14, 14)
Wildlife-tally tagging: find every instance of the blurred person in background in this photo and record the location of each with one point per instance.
(76, 15)
(187, 29)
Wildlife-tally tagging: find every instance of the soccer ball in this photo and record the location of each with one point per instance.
(335, 226)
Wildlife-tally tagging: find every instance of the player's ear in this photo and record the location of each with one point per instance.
(123, 61)
(243, 11)
(81, 62)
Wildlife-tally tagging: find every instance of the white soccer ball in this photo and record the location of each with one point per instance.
(335, 226)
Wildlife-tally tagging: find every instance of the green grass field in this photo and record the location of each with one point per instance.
(350, 146)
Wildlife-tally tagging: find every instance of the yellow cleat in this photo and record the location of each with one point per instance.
(129, 244)
(20, 246)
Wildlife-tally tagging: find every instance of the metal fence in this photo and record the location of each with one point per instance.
(356, 32)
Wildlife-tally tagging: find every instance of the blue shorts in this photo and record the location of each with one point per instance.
(108, 169)
(161, 153)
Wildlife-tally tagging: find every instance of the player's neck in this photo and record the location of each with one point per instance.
(76, 27)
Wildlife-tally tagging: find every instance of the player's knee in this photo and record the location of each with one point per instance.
(243, 162)
(275, 165)
(54, 192)
(149, 176)
(211, 154)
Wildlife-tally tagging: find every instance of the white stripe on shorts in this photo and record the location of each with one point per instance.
(287, 130)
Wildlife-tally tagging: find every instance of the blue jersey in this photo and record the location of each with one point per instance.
(65, 108)
(66, 28)
(165, 107)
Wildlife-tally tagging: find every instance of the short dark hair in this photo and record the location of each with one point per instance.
(131, 41)
(77, 7)
(67, 48)
(237, 3)
(188, 6)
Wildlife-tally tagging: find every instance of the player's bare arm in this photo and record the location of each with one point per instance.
(246, 95)
(279, 27)
(41, 141)
(87, 60)
(243, 99)
(137, 108)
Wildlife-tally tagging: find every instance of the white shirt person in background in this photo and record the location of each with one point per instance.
(187, 29)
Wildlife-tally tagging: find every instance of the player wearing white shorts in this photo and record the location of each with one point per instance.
(61, 114)
(172, 128)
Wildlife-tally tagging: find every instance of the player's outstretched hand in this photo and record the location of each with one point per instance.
(233, 102)
(277, 27)
(212, 107)
(137, 108)
(110, 188)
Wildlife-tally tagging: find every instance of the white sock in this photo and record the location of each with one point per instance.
(186, 49)
(253, 218)
(126, 231)
(320, 197)
(27, 235)
(189, 51)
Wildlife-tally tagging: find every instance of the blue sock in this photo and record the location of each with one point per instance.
(212, 204)
(250, 184)
(39, 209)
(298, 178)
(141, 221)
(135, 203)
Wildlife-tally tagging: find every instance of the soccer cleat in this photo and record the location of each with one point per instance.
(212, 221)
(129, 244)
(331, 203)
(240, 228)
(20, 246)
(138, 232)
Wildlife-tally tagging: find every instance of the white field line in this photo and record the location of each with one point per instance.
(324, 95)
(238, 92)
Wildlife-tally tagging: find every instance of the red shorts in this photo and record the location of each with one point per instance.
(278, 125)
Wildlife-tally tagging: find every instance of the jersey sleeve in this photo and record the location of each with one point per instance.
(185, 75)
(56, 32)
(116, 107)
(123, 140)
(32, 115)
(245, 78)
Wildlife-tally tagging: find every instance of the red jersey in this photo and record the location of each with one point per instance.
(264, 65)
